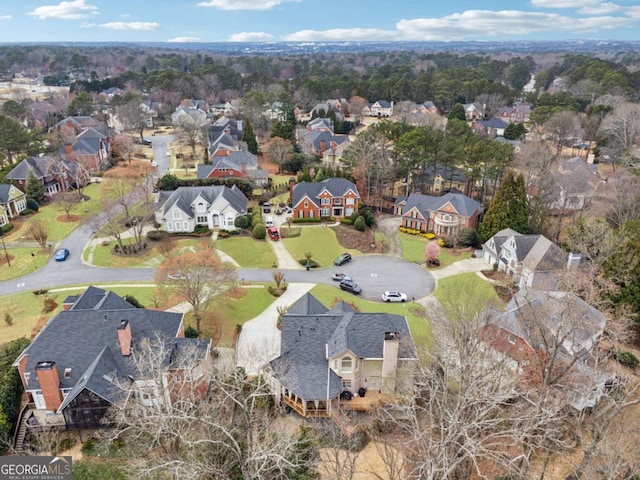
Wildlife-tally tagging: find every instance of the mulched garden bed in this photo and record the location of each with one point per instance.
(350, 238)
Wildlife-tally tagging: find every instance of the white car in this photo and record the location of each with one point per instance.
(268, 222)
(392, 296)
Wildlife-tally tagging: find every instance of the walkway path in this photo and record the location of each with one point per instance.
(389, 226)
(259, 340)
(285, 259)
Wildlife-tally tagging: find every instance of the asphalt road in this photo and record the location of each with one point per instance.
(374, 273)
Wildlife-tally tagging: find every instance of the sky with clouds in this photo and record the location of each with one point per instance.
(316, 20)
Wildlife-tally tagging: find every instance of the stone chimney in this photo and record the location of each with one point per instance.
(49, 381)
(573, 261)
(124, 337)
(390, 350)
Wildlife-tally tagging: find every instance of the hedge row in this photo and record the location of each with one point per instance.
(413, 231)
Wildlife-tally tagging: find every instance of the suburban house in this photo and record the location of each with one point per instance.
(224, 145)
(12, 202)
(531, 260)
(323, 109)
(332, 197)
(91, 149)
(443, 180)
(444, 215)
(332, 156)
(239, 164)
(519, 113)
(188, 114)
(494, 127)
(321, 124)
(551, 329)
(339, 358)
(81, 363)
(217, 206)
(316, 142)
(55, 175)
(78, 124)
(381, 108)
(428, 108)
(574, 184)
(473, 111)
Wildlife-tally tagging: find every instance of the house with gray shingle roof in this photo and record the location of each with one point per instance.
(239, 164)
(531, 260)
(444, 215)
(75, 368)
(380, 108)
(494, 127)
(316, 142)
(181, 210)
(332, 197)
(442, 180)
(91, 148)
(12, 202)
(331, 355)
(53, 173)
(542, 329)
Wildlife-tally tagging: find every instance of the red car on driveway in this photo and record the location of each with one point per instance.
(273, 233)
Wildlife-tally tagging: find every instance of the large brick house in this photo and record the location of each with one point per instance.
(444, 215)
(333, 197)
(239, 164)
(556, 330)
(55, 175)
(76, 367)
(331, 355)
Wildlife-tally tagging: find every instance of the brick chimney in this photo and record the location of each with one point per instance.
(124, 337)
(390, 350)
(68, 150)
(49, 381)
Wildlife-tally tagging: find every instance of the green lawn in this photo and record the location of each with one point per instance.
(466, 294)
(321, 241)
(230, 311)
(22, 262)
(102, 256)
(55, 218)
(418, 322)
(248, 252)
(413, 247)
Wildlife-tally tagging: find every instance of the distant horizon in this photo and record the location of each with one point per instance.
(265, 21)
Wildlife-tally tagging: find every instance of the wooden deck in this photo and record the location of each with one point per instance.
(363, 404)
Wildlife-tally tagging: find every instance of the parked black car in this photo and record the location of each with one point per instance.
(350, 286)
(266, 207)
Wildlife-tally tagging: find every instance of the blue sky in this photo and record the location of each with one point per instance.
(316, 20)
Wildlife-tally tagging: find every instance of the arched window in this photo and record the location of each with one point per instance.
(347, 365)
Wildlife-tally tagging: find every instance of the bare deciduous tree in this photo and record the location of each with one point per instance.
(622, 128)
(279, 151)
(67, 201)
(38, 231)
(564, 127)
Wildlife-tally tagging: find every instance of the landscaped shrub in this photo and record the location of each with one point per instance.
(32, 204)
(26, 211)
(133, 301)
(354, 216)
(7, 227)
(190, 332)
(257, 219)
(312, 263)
(286, 232)
(274, 291)
(49, 305)
(625, 358)
(414, 231)
(346, 221)
(201, 229)
(242, 222)
(307, 220)
(360, 224)
(157, 235)
(468, 237)
(446, 242)
(369, 218)
(259, 232)
(41, 291)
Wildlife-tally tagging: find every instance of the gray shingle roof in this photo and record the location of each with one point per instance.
(5, 188)
(303, 367)
(85, 340)
(493, 122)
(39, 165)
(464, 205)
(337, 187)
(307, 305)
(183, 197)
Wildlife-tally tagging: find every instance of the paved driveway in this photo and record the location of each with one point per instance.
(374, 273)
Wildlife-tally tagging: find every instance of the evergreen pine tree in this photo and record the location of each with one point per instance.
(34, 188)
(457, 112)
(249, 137)
(508, 209)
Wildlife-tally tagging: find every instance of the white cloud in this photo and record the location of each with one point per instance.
(184, 39)
(243, 4)
(125, 15)
(74, 10)
(87, 25)
(342, 34)
(601, 9)
(471, 24)
(130, 25)
(251, 37)
(5, 17)
(633, 12)
(565, 3)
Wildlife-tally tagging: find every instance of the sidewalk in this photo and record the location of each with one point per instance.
(259, 340)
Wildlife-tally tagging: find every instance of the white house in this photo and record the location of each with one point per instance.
(183, 209)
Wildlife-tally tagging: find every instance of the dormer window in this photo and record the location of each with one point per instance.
(67, 373)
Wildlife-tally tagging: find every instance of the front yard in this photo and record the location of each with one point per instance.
(320, 241)
(248, 252)
(413, 247)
